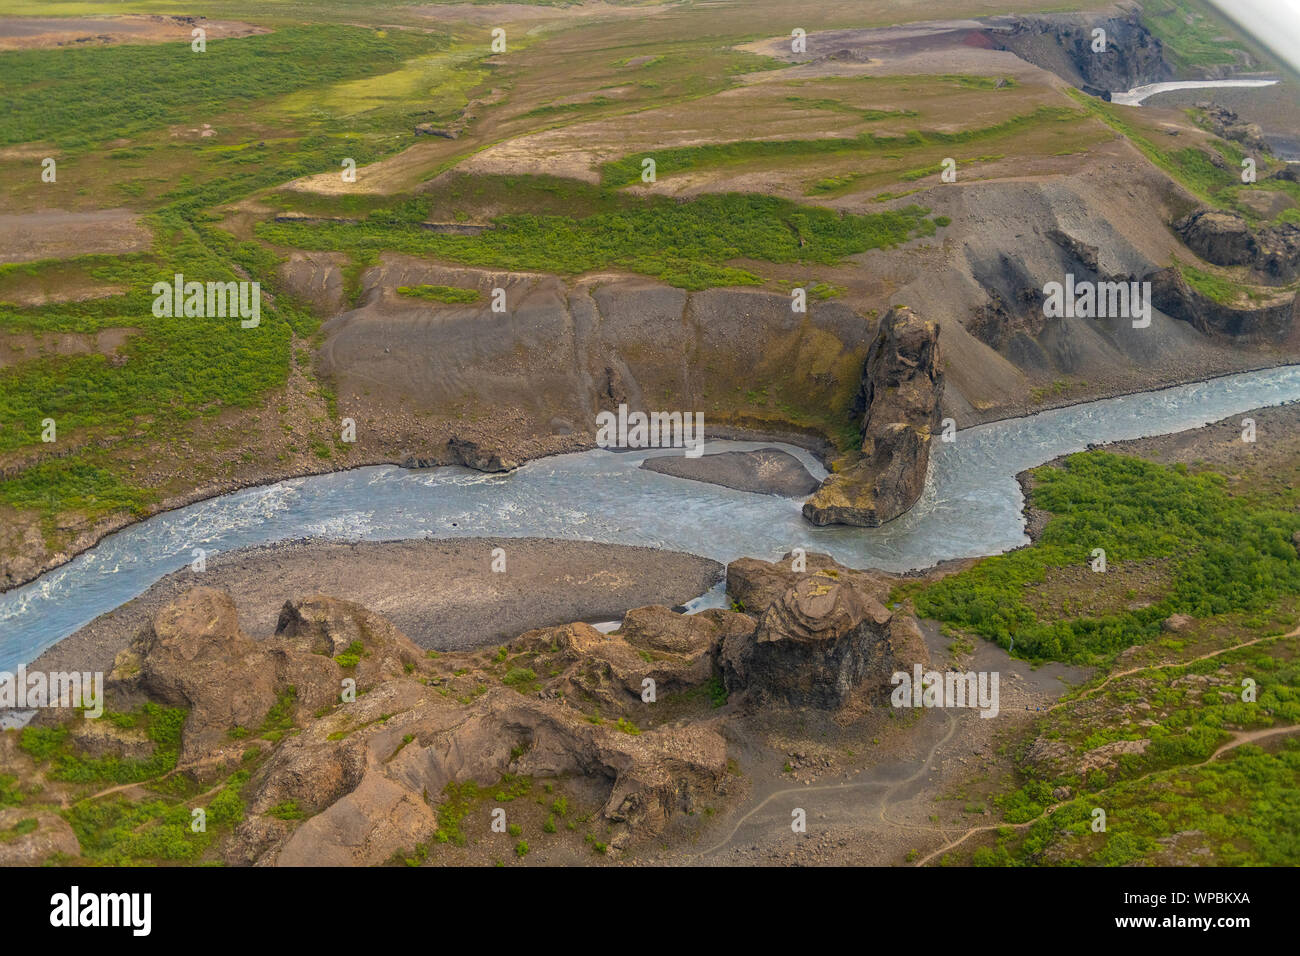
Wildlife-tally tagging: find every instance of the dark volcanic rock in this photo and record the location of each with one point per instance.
(1171, 294)
(472, 455)
(901, 390)
(1223, 238)
(764, 471)
(1226, 239)
(1063, 44)
(824, 640)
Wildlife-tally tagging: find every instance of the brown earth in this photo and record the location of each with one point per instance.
(25, 33)
(54, 234)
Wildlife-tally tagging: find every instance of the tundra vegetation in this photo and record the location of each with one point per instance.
(1216, 551)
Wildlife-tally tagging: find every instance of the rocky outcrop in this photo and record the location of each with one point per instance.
(753, 585)
(28, 837)
(901, 390)
(1270, 322)
(1228, 125)
(1226, 239)
(825, 640)
(472, 455)
(676, 651)
(342, 779)
(194, 656)
(362, 776)
(1063, 44)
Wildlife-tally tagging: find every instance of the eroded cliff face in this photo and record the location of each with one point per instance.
(1226, 239)
(450, 384)
(1272, 320)
(902, 386)
(1063, 44)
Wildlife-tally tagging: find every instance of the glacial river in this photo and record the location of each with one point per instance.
(971, 506)
(1135, 96)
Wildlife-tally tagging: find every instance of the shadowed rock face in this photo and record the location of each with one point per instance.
(1064, 44)
(1171, 294)
(1226, 239)
(825, 639)
(901, 389)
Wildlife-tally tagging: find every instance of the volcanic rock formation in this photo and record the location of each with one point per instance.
(901, 390)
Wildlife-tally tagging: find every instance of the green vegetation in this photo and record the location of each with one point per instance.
(627, 171)
(1226, 554)
(289, 810)
(162, 726)
(1213, 287)
(120, 833)
(439, 293)
(1190, 38)
(351, 657)
(21, 828)
(279, 719)
(683, 243)
(519, 675)
(626, 726)
(1229, 811)
(80, 96)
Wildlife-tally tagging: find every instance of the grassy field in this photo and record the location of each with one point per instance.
(685, 244)
(1221, 554)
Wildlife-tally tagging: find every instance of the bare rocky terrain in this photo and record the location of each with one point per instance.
(441, 593)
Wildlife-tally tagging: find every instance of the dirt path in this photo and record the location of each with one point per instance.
(831, 787)
(1156, 667)
(1238, 739)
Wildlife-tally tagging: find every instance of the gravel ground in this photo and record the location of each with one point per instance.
(442, 593)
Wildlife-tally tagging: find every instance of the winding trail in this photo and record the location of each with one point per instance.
(884, 802)
(1238, 739)
(1157, 667)
(848, 785)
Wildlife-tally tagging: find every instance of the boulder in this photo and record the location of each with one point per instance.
(470, 454)
(823, 641)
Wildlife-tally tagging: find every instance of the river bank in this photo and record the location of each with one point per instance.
(819, 446)
(441, 593)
